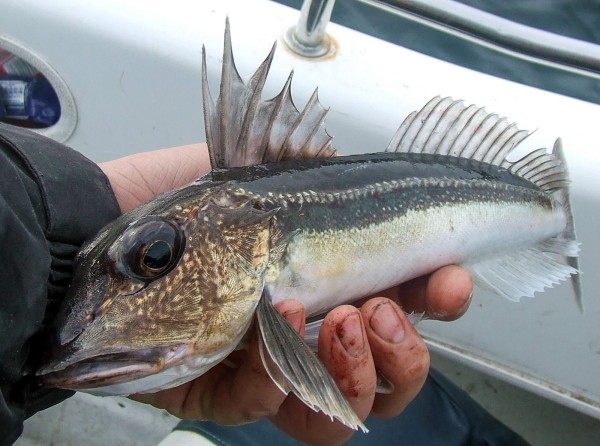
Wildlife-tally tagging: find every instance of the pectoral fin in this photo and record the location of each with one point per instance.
(292, 365)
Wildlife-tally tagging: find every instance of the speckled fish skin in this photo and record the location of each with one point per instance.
(360, 224)
(278, 217)
(204, 304)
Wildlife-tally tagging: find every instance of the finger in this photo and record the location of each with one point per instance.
(230, 396)
(444, 295)
(398, 352)
(449, 293)
(139, 177)
(344, 350)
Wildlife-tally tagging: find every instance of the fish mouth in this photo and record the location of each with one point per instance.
(103, 370)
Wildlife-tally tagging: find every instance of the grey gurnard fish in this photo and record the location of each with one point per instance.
(168, 290)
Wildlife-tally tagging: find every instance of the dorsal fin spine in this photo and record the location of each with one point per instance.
(208, 106)
(228, 77)
(278, 102)
(244, 130)
(399, 135)
(258, 82)
(309, 137)
(289, 145)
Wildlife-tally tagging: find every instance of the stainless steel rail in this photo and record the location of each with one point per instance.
(308, 37)
(499, 34)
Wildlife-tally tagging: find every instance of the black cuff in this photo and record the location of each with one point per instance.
(76, 195)
(52, 199)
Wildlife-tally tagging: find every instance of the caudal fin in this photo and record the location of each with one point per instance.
(564, 197)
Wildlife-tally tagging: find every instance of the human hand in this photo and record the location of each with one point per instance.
(137, 178)
(353, 342)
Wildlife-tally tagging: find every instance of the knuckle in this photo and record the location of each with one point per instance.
(418, 367)
(256, 413)
(357, 389)
(258, 408)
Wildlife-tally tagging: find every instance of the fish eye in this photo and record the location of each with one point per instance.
(156, 256)
(149, 249)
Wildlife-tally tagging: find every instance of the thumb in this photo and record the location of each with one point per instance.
(137, 178)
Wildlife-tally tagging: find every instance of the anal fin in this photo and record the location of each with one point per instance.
(524, 272)
(311, 333)
(305, 374)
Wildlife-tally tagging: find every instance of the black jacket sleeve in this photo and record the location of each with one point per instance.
(51, 200)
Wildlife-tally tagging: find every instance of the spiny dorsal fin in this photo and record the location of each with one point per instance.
(447, 127)
(242, 130)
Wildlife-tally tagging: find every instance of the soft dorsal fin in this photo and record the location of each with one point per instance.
(243, 130)
(447, 127)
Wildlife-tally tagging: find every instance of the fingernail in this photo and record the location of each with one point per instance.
(294, 318)
(446, 315)
(465, 307)
(350, 334)
(387, 324)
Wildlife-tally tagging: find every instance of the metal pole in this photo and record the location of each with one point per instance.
(308, 37)
(499, 34)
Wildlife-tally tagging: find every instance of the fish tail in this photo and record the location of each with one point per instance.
(564, 197)
(549, 171)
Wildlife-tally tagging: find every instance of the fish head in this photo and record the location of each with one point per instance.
(174, 281)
